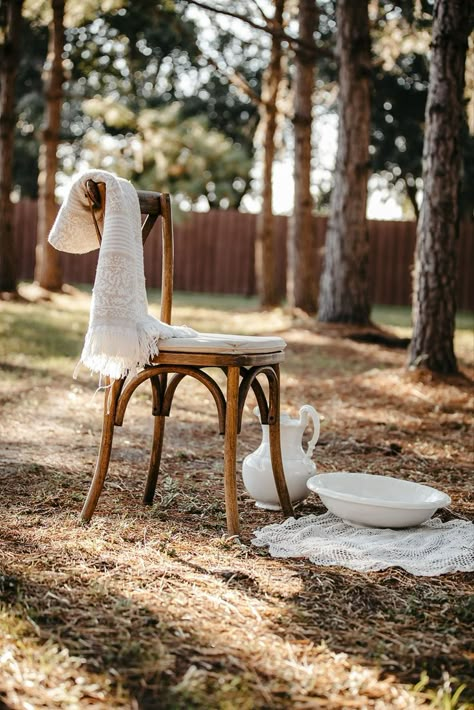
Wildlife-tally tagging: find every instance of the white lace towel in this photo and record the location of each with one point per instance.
(427, 550)
(121, 335)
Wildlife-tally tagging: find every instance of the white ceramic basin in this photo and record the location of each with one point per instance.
(377, 501)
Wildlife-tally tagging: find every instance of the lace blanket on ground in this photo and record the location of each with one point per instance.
(121, 335)
(427, 550)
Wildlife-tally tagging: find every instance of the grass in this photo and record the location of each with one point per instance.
(400, 316)
(155, 607)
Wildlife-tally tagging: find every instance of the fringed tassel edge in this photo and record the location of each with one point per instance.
(115, 351)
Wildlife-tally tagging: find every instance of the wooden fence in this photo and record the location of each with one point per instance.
(214, 254)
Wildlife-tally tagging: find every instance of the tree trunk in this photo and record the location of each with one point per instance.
(344, 291)
(302, 287)
(9, 56)
(48, 271)
(434, 306)
(265, 249)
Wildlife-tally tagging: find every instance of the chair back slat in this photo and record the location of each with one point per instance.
(152, 205)
(167, 268)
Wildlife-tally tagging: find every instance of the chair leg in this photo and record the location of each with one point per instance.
(155, 459)
(103, 458)
(230, 451)
(278, 471)
(275, 446)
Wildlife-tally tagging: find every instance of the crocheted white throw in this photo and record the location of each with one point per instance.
(430, 549)
(121, 335)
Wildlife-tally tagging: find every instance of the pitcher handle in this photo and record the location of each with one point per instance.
(312, 414)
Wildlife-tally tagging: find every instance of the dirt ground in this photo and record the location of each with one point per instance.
(153, 607)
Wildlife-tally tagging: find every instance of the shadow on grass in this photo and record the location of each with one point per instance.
(399, 623)
(28, 376)
(73, 598)
(81, 598)
(341, 357)
(123, 645)
(42, 334)
(144, 655)
(158, 660)
(403, 625)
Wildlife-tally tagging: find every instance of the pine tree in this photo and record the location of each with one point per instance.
(48, 272)
(344, 290)
(434, 306)
(302, 287)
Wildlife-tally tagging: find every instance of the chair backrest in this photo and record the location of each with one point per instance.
(153, 205)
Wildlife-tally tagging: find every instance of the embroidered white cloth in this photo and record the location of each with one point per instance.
(122, 335)
(430, 549)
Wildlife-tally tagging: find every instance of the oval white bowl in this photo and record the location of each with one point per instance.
(377, 501)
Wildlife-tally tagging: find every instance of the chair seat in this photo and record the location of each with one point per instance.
(217, 343)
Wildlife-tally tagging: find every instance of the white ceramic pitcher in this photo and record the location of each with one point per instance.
(257, 471)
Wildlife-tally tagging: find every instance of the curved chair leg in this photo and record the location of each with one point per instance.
(103, 458)
(278, 472)
(230, 451)
(155, 459)
(275, 445)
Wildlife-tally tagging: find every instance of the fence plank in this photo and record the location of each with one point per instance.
(214, 252)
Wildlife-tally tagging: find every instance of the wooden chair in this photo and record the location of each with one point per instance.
(243, 359)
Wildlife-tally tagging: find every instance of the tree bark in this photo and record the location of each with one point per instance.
(265, 250)
(48, 272)
(302, 287)
(9, 63)
(344, 289)
(434, 305)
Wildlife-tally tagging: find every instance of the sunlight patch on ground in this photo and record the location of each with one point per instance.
(155, 604)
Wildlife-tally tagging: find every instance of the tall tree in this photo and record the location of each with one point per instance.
(29, 106)
(11, 26)
(302, 287)
(48, 272)
(434, 306)
(265, 252)
(344, 295)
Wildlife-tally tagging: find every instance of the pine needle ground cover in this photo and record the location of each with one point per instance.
(155, 607)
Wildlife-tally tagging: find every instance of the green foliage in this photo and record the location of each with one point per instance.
(160, 150)
(227, 108)
(139, 100)
(131, 58)
(401, 42)
(445, 697)
(401, 35)
(399, 99)
(138, 52)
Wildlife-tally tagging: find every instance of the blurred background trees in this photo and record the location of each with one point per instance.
(10, 19)
(204, 99)
(111, 52)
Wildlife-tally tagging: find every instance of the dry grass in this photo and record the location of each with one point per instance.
(154, 607)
